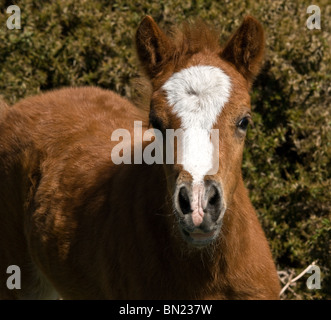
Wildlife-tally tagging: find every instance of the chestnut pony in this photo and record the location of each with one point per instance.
(80, 226)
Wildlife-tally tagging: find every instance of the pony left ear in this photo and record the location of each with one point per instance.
(245, 49)
(152, 45)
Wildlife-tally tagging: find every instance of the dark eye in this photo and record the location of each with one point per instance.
(243, 123)
(155, 121)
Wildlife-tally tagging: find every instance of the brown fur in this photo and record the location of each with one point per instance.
(3, 107)
(73, 220)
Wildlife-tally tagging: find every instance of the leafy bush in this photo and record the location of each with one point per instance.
(287, 158)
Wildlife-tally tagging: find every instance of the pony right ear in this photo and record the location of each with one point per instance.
(245, 49)
(153, 46)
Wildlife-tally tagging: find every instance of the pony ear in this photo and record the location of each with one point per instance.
(153, 46)
(245, 49)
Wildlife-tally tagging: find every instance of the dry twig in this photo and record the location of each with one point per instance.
(283, 275)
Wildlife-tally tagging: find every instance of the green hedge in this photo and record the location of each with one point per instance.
(287, 157)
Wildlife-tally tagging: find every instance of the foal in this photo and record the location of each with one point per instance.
(82, 227)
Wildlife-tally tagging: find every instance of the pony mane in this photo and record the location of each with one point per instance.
(192, 37)
(189, 38)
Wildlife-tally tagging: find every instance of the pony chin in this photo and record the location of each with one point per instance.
(201, 240)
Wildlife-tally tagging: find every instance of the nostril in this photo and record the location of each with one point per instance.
(214, 197)
(184, 201)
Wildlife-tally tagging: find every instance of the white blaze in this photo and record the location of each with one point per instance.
(198, 95)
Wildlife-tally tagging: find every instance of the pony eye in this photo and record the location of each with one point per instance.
(243, 123)
(155, 122)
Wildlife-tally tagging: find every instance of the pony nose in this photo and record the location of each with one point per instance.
(200, 200)
(184, 200)
(213, 200)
